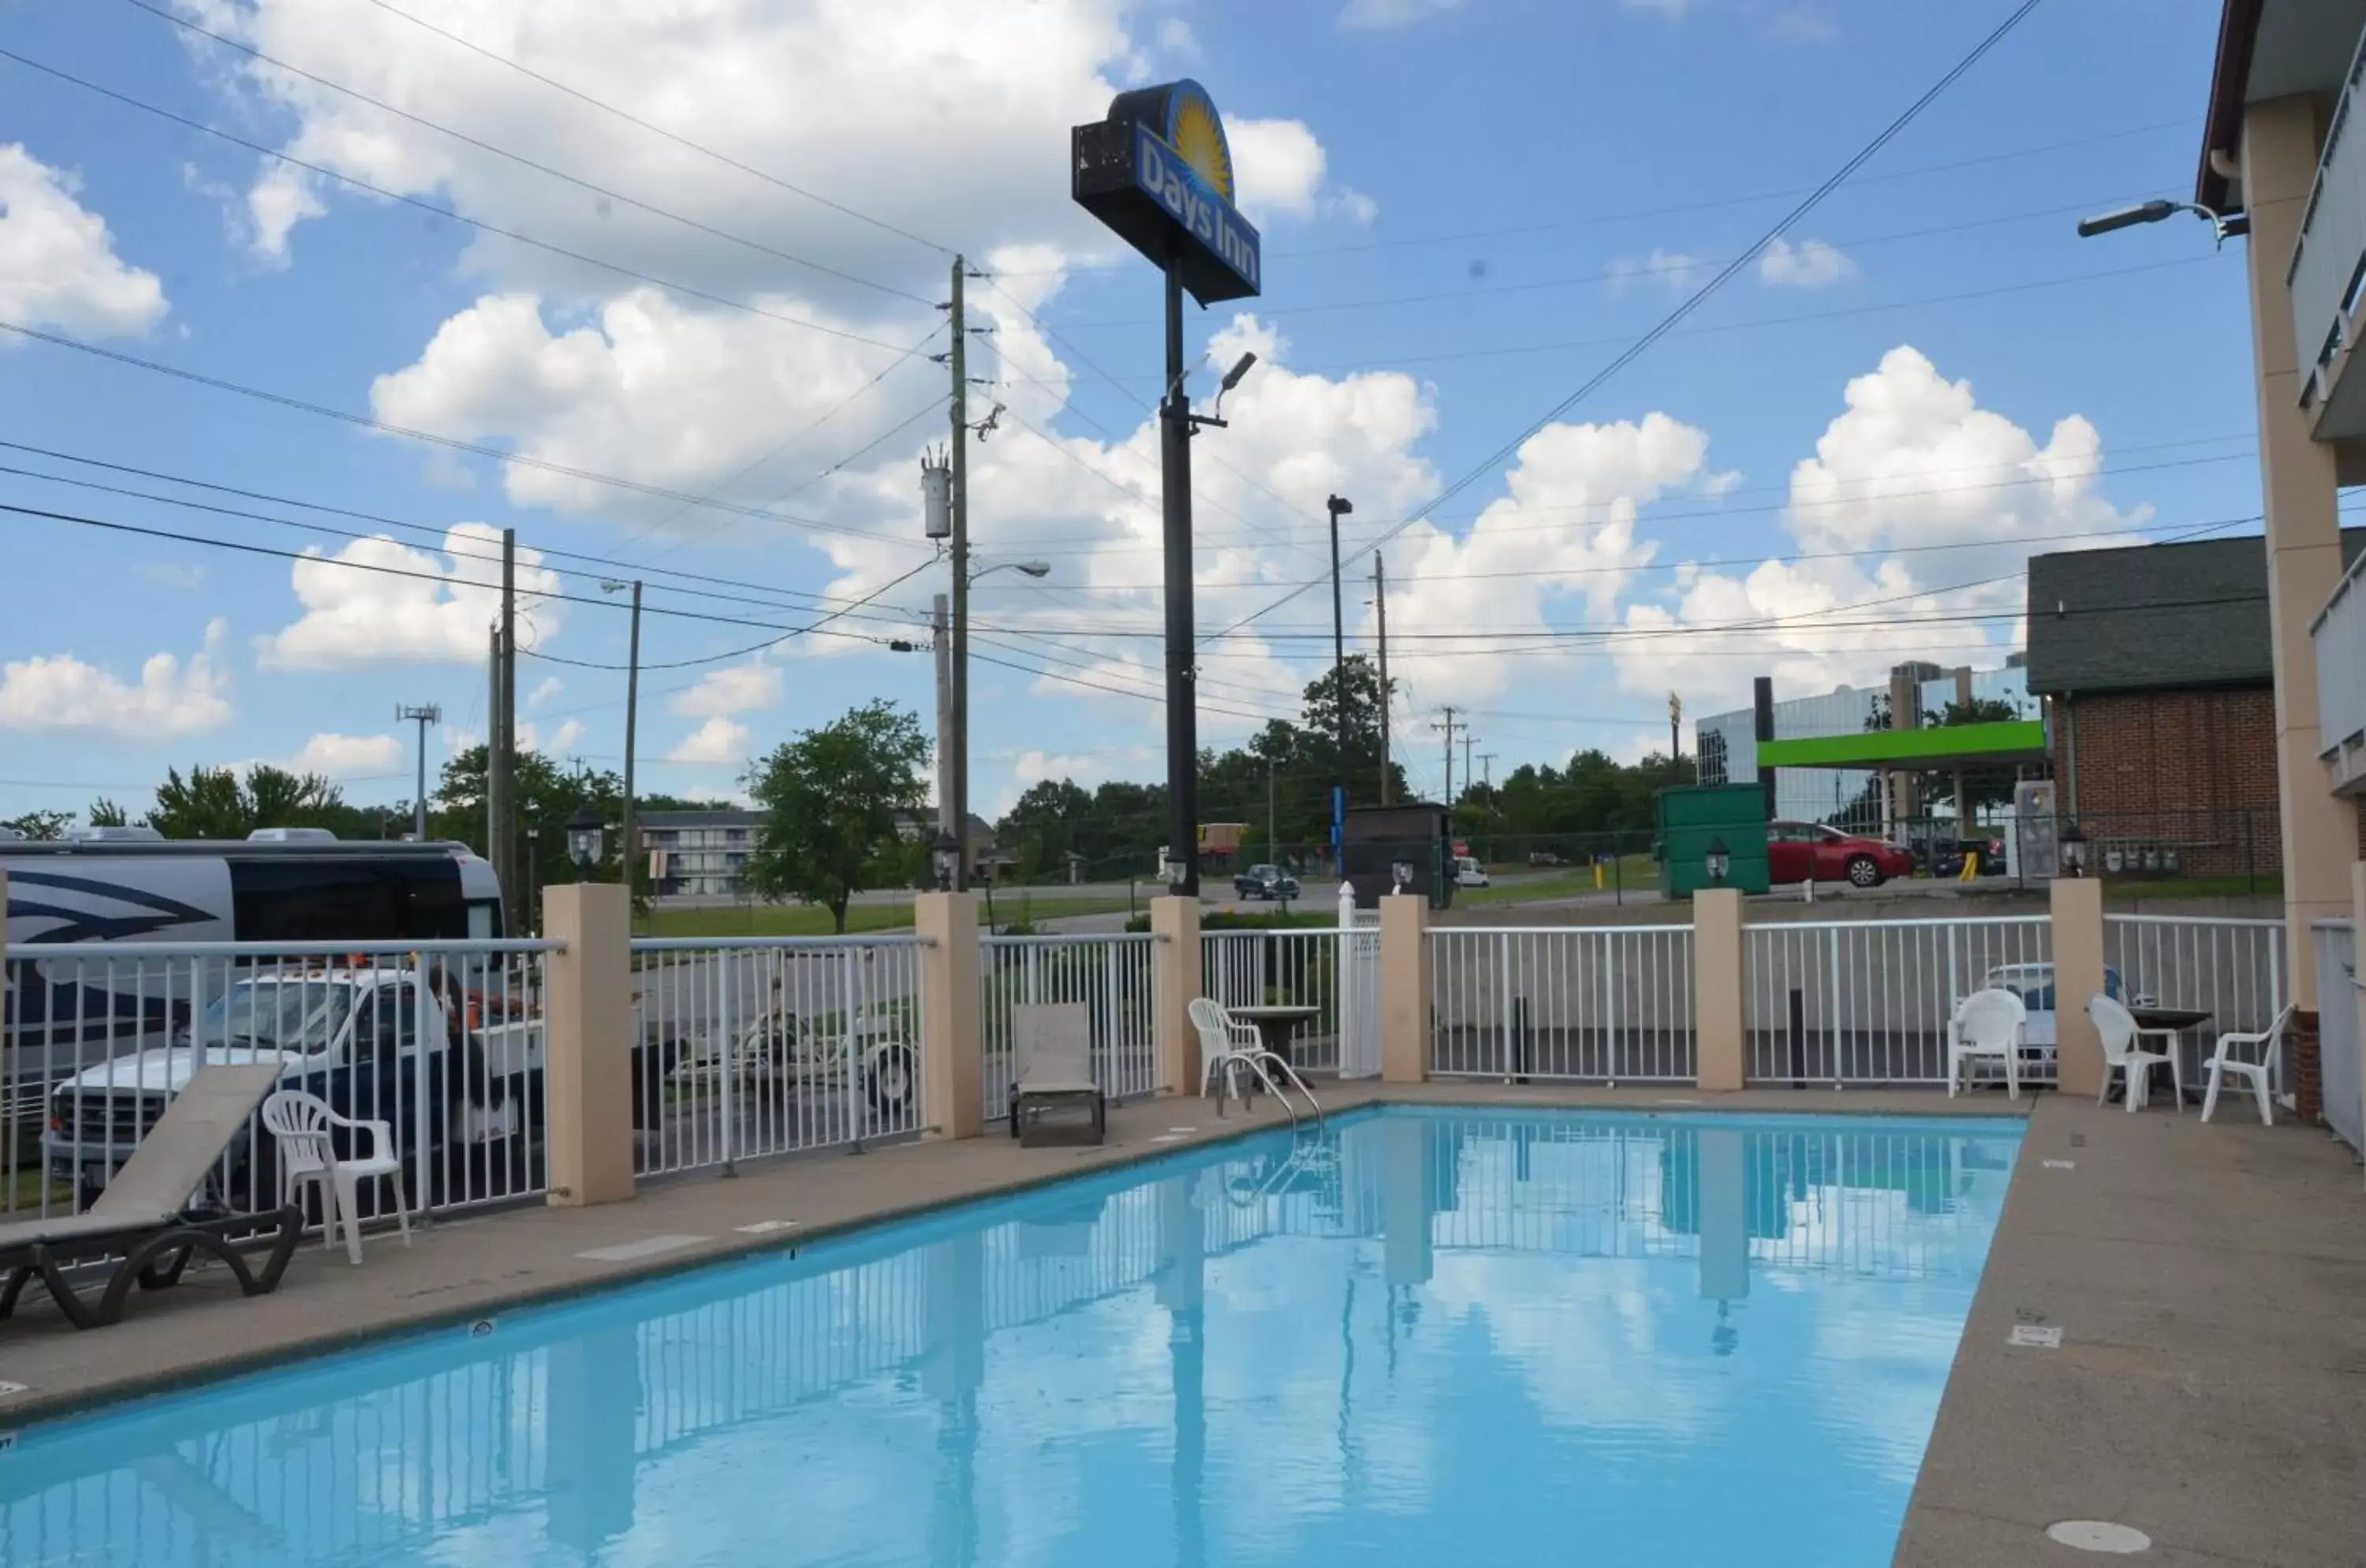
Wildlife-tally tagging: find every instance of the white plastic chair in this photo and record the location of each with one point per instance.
(1226, 1045)
(300, 1124)
(2270, 1041)
(2123, 1037)
(1987, 1024)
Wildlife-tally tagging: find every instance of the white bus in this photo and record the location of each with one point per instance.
(120, 888)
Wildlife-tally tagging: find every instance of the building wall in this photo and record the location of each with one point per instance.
(2192, 771)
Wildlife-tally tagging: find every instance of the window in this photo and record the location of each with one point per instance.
(321, 899)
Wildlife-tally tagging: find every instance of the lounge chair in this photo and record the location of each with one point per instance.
(141, 1220)
(1052, 1061)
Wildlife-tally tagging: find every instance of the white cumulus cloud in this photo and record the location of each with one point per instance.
(1810, 263)
(737, 688)
(1379, 16)
(377, 599)
(58, 266)
(719, 742)
(349, 756)
(172, 696)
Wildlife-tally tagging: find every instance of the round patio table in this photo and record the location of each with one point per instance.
(2181, 1021)
(1275, 1024)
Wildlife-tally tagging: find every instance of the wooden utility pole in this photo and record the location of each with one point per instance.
(500, 758)
(1381, 599)
(626, 860)
(959, 358)
(1487, 763)
(1449, 728)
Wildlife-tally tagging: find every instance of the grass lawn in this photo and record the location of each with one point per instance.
(797, 920)
(2134, 890)
(1634, 871)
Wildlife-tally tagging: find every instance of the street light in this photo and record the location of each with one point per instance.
(1231, 378)
(1339, 506)
(584, 839)
(1032, 567)
(1721, 860)
(533, 873)
(2074, 851)
(2221, 228)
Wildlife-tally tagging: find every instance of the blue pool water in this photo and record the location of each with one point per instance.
(1421, 1338)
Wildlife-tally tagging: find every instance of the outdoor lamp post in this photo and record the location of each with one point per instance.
(2074, 851)
(1178, 872)
(1721, 860)
(944, 855)
(1401, 876)
(584, 834)
(533, 875)
(2221, 228)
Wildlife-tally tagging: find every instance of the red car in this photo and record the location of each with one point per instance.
(1803, 851)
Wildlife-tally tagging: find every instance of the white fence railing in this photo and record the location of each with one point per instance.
(1608, 1004)
(1289, 968)
(2232, 971)
(2340, 1040)
(1115, 978)
(746, 1048)
(1868, 1002)
(441, 1040)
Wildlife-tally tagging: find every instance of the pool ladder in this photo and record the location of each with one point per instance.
(1264, 1065)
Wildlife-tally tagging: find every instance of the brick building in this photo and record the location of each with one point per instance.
(2154, 664)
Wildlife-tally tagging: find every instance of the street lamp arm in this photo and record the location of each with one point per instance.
(2222, 228)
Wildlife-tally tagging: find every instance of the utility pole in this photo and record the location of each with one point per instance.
(941, 646)
(421, 716)
(959, 358)
(1182, 685)
(502, 761)
(1487, 762)
(628, 846)
(1468, 741)
(1272, 839)
(1449, 728)
(1381, 599)
(492, 744)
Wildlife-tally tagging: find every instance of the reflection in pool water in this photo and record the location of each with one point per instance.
(1417, 1337)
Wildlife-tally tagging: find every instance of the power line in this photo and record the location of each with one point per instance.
(677, 139)
(520, 159)
(364, 422)
(751, 647)
(458, 216)
(1701, 296)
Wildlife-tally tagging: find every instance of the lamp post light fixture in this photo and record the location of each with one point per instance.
(1178, 872)
(1721, 860)
(1036, 569)
(2074, 851)
(1400, 876)
(533, 875)
(2221, 228)
(585, 839)
(944, 855)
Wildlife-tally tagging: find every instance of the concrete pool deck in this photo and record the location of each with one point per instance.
(2210, 1387)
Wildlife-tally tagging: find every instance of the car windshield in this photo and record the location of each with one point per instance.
(286, 1015)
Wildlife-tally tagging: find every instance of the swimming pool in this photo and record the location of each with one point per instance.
(1422, 1336)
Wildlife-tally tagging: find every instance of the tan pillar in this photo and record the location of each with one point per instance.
(1405, 988)
(2356, 1000)
(1174, 922)
(2077, 904)
(2281, 139)
(587, 1018)
(952, 1050)
(1723, 1048)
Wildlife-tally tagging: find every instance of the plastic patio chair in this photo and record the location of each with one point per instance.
(1226, 1045)
(2270, 1041)
(1987, 1024)
(300, 1125)
(2123, 1038)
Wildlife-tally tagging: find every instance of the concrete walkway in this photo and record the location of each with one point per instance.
(2209, 1388)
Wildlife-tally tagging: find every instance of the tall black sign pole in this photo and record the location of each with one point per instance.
(1182, 692)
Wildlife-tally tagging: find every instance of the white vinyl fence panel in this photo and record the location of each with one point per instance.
(1610, 1004)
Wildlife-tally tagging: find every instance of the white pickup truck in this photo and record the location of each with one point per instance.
(350, 1034)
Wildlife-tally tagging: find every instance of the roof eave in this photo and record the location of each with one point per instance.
(2221, 132)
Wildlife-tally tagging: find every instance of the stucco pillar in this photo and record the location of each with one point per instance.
(587, 1018)
(1177, 958)
(952, 1051)
(1722, 1049)
(1405, 988)
(2077, 903)
(2304, 533)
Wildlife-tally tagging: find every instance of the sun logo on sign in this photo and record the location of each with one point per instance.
(1199, 135)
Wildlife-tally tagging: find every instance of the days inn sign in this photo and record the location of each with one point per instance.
(1159, 172)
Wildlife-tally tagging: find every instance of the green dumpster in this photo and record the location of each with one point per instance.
(1692, 818)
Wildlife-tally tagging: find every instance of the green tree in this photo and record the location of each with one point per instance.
(105, 813)
(833, 797)
(215, 803)
(39, 824)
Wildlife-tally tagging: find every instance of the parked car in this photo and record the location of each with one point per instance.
(2034, 984)
(1468, 873)
(1264, 882)
(1545, 858)
(1809, 851)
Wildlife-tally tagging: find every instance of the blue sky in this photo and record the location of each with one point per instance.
(1467, 208)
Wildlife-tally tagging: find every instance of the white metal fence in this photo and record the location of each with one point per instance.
(1114, 976)
(746, 1048)
(1609, 1004)
(1868, 1001)
(1334, 970)
(441, 1040)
